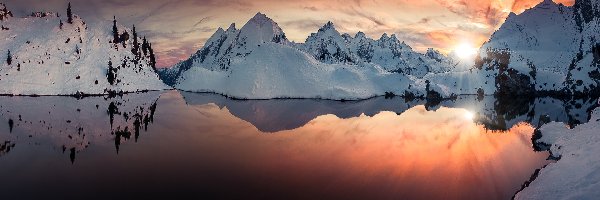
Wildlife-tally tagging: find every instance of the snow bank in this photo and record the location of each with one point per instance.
(577, 174)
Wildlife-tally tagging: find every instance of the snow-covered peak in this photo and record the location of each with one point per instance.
(434, 54)
(547, 3)
(386, 41)
(231, 28)
(347, 37)
(328, 45)
(360, 35)
(511, 15)
(219, 31)
(4, 12)
(261, 29)
(328, 26)
(392, 41)
(547, 6)
(216, 36)
(261, 18)
(384, 37)
(327, 30)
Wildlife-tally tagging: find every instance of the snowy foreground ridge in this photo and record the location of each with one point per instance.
(576, 175)
(548, 49)
(49, 56)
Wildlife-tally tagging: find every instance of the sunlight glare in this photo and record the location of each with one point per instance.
(465, 51)
(469, 115)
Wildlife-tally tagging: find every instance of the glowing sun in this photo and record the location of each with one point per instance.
(469, 115)
(465, 51)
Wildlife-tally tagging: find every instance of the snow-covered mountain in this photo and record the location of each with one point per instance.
(44, 54)
(548, 48)
(259, 62)
(329, 46)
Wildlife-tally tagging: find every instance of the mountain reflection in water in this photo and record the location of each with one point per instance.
(206, 145)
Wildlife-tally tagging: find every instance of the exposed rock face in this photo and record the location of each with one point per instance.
(550, 46)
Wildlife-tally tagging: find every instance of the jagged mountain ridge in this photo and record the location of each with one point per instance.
(548, 49)
(50, 56)
(327, 45)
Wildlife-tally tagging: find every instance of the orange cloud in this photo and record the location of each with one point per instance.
(520, 5)
(440, 37)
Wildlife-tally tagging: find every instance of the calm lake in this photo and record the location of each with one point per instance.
(176, 144)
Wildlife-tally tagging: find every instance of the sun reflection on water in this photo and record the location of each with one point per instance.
(417, 154)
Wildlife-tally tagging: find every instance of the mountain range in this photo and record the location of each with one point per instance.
(550, 49)
(258, 61)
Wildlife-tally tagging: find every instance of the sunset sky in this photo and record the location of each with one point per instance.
(178, 28)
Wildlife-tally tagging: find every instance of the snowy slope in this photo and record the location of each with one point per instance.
(546, 48)
(263, 75)
(258, 62)
(575, 175)
(50, 59)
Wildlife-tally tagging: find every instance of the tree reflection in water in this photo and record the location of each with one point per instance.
(74, 123)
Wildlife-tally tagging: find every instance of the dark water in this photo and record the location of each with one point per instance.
(171, 144)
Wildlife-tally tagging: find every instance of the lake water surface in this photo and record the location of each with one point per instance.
(176, 144)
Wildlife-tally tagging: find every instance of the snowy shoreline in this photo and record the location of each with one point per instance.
(84, 94)
(575, 175)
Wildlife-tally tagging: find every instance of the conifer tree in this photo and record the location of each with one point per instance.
(115, 31)
(9, 58)
(136, 46)
(124, 38)
(69, 14)
(61, 24)
(152, 57)
(145, 46)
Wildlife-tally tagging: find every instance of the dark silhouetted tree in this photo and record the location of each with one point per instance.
(69, 14)
(152, 57)
(145, 46)
(115, 31)
(61, 24)
(136, 47)
(9, 58)
(124, 37)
